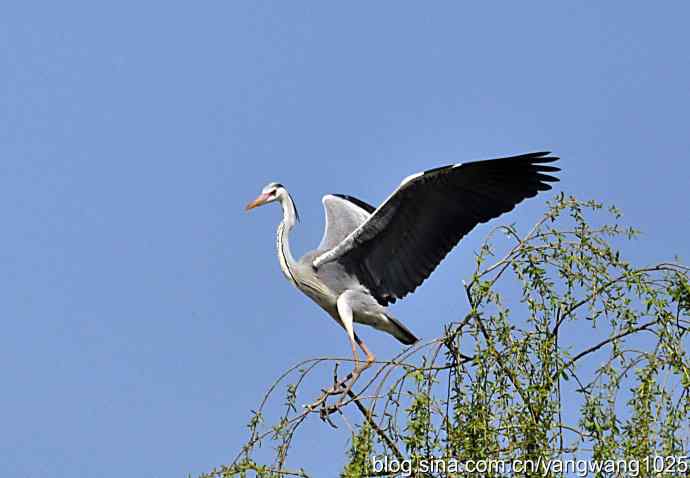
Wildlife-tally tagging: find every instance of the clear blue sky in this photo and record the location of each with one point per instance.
(143, 312)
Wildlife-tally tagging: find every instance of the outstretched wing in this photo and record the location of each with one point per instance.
(406, 237)
(343, 214)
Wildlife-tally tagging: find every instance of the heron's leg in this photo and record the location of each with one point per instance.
(346, 316)
(370, 356)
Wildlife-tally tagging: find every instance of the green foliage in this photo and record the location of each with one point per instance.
(589, 361)
(360, 454)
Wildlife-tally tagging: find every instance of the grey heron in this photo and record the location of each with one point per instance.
(369, 257)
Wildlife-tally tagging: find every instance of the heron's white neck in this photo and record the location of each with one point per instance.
(287, 262)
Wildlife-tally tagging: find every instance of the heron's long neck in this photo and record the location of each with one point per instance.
(287, 262)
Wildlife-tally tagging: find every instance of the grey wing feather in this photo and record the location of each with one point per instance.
(404, 240)
(343, 215)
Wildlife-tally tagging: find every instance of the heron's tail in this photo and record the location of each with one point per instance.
(400, 332)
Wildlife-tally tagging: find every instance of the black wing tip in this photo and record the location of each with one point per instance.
(546, 177)
(548, 169)
(538, 161)
(539, 157)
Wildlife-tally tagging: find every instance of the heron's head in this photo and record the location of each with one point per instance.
(269, 193)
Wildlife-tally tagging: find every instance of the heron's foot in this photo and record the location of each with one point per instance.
(370, 360)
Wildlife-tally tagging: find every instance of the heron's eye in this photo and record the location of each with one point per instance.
(273, 192)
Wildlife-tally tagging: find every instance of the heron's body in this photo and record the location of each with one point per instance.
(330, 281)
(369, 257)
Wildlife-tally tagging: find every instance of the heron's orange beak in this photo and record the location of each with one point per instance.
(259, 201)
